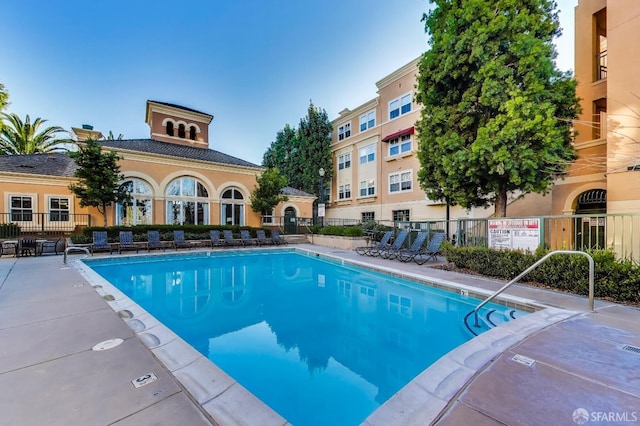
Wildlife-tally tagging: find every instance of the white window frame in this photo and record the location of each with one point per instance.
(403, 219)
(344, 191)
(368, 120)
(22, 211)
(344, 161)
(64, 214)
(344, 131)
(185, 203)
(367, 154)
(401, 179)
(368, 216)
(367, 188)
(400, 106)
(400, 145)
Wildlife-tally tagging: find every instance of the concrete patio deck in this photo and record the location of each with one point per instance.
(582, 366)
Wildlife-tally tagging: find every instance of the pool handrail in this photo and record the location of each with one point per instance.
(531, 268)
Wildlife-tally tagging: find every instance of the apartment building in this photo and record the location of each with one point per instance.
(375, 158)
(605, 178)
(173, 177)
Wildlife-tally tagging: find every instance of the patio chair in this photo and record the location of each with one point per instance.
(246, 238)
(28, 247)
(277, 239)
(406, 255)
(432, 250)
(154, 242)
(229, 240)
(52, 246)
(179, 241)
(262, 238)
(397, 245)
(384, 242)
(126, 242)
(100, 242)
(214, 238)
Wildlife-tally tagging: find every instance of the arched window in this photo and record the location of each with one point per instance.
(136, 211)
(181, 132)
(187, 202)
(170, 128)
(232, 207)
(192, 133)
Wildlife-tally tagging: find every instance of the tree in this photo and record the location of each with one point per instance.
(18, 137)
(99, 177)
(111, 137)
(313, 150)
(268, 193)
(4, 101)
(281, 154)
(496, 111)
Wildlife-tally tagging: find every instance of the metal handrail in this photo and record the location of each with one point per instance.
(531, 268)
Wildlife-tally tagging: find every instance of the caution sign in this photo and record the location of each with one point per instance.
(514, 234)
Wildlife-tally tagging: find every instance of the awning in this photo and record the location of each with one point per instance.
(408, 131)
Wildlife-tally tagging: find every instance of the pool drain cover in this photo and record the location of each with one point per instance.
(523, 360)
(144, 380)
(634, 349)
(108, 344)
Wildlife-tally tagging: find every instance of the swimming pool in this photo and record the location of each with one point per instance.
(319, 342)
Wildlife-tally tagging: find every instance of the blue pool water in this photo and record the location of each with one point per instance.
(320, 343)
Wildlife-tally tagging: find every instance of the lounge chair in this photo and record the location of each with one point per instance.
(229, 240)
(397, 245)
(277, 239)
(179, 241)
(384, 242)
(246, 239)
(262, 238)
(126, 242)
(153, 241)
(52, 246)
(214, 238)
(28, 247)
(100, 242)
(432, 250)
(406, 255)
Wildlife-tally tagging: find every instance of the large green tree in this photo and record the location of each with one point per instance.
(98, 176)
(281, 155)
(26, 137)
(4, 100)
(314, 150)
(496, 111)
(268, 192)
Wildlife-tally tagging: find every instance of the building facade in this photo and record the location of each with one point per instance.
(173, 178)
(375, 159)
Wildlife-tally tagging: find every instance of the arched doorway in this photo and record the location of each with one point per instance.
(590, 232)
(290, 221)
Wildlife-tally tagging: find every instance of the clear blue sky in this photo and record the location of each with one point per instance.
(253, 64)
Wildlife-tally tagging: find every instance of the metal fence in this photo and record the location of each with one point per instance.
(45, 223)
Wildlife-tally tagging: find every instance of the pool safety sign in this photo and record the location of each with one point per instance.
(522, 234)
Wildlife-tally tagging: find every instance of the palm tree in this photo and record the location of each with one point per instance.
(18, 137)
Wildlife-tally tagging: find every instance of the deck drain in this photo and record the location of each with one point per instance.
(634, 349)
(523, 360)
(108, 344)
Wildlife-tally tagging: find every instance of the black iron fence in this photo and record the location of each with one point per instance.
(42, 223)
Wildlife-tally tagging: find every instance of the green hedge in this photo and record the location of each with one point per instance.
(341, 231)
(9, 230)
(614, 278)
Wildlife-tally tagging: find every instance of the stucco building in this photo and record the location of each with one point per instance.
(173, 178)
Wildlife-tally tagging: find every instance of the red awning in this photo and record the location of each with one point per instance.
(408, 131)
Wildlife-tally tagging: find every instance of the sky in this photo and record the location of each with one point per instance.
(252, 64)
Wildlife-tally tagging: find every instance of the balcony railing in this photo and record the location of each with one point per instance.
(601, 61)
(46, 223)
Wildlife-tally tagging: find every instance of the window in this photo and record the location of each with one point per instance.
(367, 120)
(170, 128)
(368, 216)
(187, 202)
(400, 215)
(400, 106)
(400, 305)
(137, 210)
(344, 161)
(399, 145)
(344, 191)
(367, 154)
(192, 133)
(181, 131)
(400, 182)
(367, 187)
(58, 209)
(232, 207)
(344, 131)
(21, 209)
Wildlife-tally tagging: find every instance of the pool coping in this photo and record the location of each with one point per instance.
(422, 400)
